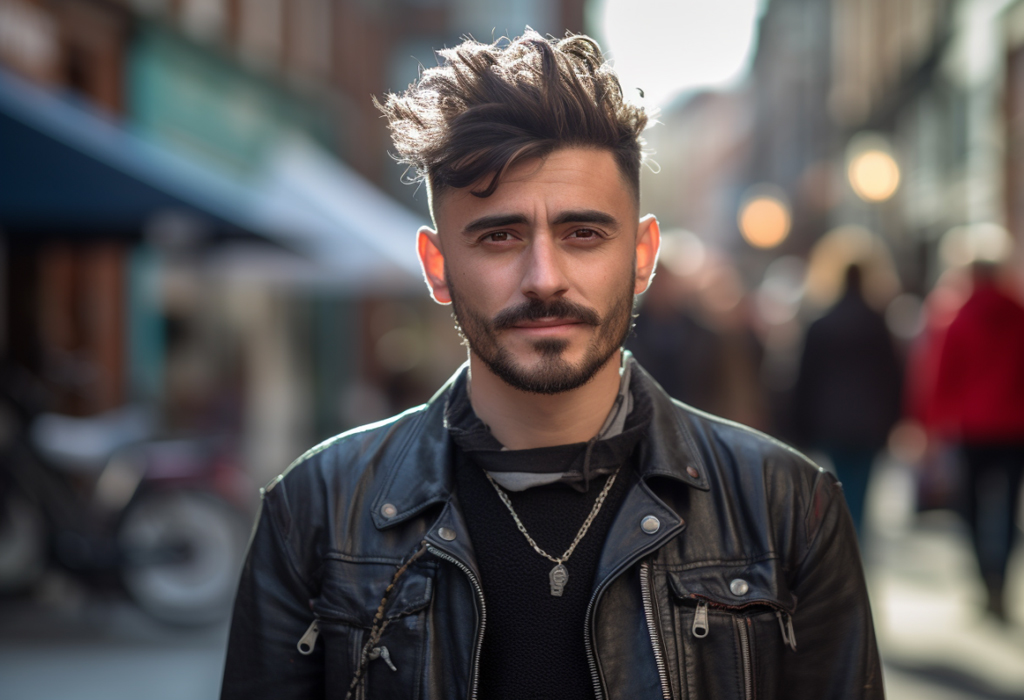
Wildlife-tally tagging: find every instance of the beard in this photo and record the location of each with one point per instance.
(554, 374)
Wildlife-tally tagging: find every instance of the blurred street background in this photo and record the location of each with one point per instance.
(207, 266)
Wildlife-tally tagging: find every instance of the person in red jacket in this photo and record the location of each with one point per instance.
(978, 400)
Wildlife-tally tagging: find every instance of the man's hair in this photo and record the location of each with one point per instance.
(489, 106)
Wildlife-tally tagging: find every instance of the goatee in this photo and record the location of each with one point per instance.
(554, 375)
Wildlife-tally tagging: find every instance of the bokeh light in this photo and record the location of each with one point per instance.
(682, 252)
(764, 219)
(873, 172)
(781, 291)
(982, 242)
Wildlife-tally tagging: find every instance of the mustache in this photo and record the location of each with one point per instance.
(535, 309)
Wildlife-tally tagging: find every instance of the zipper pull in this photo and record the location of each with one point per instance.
(308, 640)
(700, 620)
(382, 653)
(786, 625)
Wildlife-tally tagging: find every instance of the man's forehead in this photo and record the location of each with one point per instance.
(565, 181)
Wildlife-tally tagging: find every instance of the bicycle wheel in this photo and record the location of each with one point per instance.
(182, 552)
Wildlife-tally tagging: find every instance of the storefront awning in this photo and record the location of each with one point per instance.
(67, 168)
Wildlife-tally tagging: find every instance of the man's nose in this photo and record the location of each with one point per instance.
(543, 277)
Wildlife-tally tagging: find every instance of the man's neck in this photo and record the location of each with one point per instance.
(521, 420)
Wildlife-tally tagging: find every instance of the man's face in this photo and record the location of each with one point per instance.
(542, 274)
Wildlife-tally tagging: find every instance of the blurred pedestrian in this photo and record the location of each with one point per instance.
(672, 342)
(978, 400)
(848, 389)
(938, 464)
(694, 336)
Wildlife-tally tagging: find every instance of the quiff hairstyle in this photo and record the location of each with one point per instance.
(489, 106)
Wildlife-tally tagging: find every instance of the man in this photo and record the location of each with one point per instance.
(550, 524)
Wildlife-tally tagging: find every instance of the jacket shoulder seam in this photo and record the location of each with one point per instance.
(369, 427)
(711, 418)
(811, 537)
(286, 549)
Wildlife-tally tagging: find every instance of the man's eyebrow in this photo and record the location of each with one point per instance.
(494, 221)
(581, 216)
(586, 216)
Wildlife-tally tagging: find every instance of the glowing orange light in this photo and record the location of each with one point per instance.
(764, 221)
(874, 175)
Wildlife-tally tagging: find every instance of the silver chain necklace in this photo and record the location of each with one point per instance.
(559, 575)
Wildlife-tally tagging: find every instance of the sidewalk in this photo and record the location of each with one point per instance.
(936, 641)
(101, 647)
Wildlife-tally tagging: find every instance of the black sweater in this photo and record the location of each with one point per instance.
(534, 642)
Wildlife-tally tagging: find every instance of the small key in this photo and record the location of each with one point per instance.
(382, 653)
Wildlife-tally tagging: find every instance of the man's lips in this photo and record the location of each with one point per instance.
(547, 323)
(547, 326)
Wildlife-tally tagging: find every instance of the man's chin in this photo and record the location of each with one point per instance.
(543, 373)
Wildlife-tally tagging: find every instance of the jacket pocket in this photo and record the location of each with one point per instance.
(730, 626)
(350, 596)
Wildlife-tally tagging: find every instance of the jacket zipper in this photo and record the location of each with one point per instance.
(308, 640)
(700, 630)
(588, 635)
(748, 675)
(595, 675)
(700, 620)
(700, 617)
(652, 627)
(475, 679)
(786, 625)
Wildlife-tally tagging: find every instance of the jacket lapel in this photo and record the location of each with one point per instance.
(421, 475)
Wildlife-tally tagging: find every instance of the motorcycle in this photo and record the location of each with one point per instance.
(104, 499)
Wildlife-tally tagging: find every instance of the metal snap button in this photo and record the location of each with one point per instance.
(388, 510)
(692, 471)
(650, 524)
(739, 587)
(446, 533)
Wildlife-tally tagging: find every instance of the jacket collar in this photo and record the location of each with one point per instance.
(421, 474)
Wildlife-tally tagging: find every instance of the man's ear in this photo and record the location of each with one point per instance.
(648, 243)
(428, 248)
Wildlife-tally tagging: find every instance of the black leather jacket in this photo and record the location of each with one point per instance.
(750, 588)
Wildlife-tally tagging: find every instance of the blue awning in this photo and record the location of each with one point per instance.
(66, 167)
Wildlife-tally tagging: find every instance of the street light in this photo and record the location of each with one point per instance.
(873, 172)
(764, 217)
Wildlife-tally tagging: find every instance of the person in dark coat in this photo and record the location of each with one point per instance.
(848, 391)
(978, 401)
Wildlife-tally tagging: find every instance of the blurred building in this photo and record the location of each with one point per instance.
(701, 146)
(198, 210)
(870, 129)
(793, 139)
(930, 85)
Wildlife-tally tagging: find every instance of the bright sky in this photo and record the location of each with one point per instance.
(666, 47)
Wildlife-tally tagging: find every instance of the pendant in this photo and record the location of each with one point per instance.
(558, 576)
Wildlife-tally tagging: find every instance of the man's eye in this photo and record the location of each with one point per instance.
(585, 233)
(497, 236)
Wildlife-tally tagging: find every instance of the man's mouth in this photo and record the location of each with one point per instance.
(547, 323)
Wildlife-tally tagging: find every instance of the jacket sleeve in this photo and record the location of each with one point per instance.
(837, 656)
(271, 614)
